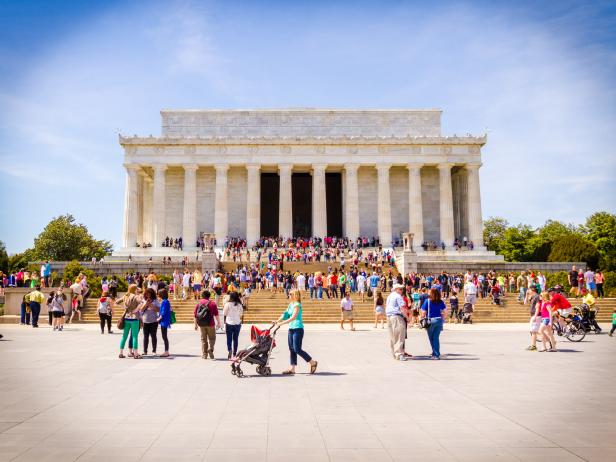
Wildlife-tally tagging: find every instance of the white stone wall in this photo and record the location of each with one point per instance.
(430, 203)
(237, 188)
(367, 185)
(206, 197)
(174, 194)
(399, 187)
(308, 122)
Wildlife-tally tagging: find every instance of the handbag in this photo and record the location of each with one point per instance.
(424, 323)
(173, 319)
(120, 324)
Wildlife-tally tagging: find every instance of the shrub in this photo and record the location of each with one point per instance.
(553, 279)
(574, 248)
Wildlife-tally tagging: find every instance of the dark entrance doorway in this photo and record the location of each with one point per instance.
(333, 194)
(270, 203)
(301, 184)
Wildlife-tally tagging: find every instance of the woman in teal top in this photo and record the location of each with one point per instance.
(293, 317)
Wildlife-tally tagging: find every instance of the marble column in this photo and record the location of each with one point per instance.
(475, 220)
(351, 209)
(446, 205)
(319, 201)
(285, 211)
(384, 205)
(253, 204)
(159, 217)
(221, 211)
(415, 205)
(131, 206)
(147, 209)
(189, 222)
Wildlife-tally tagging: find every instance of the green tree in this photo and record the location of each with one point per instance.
(514, 246)
(20, 260)
(494, 233)
(600, 229)
(540, 244)
(4, 258)
(574, 248)
(64, 239)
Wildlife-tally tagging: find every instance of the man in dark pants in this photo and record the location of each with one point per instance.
(36, 299)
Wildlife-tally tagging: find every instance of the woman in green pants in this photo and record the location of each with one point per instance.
(132, 319)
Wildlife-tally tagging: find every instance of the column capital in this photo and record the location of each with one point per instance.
(351, 168)
(414, 166)
(472, 166)
(285, 169)
(253, 167)
(319, 167)
(159, 167)
(445, 166)
(191, 167)
(132, 167)
(221, 168)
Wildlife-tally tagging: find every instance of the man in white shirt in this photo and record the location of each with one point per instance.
(301, 282)
(185, 285)
(396, 322)
(346, 308)
(361, 286)
(470, 293)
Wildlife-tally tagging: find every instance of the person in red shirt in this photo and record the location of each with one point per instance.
(561, 308)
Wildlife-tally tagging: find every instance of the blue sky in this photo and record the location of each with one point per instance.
(539, 75)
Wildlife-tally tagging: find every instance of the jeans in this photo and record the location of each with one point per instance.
(25, 316)
(163, 333)
(434, 332)
(320, 293)
(150, 329)
(522, 295)
(36, 311)
(295, 346)
(105, 318)
(233, 333)
(313, 292)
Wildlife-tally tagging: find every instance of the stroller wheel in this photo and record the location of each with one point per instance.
(267, 371)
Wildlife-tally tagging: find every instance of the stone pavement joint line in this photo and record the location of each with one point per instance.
(66, 397)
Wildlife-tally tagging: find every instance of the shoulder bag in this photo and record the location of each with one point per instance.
(425, 321)
(120, 324)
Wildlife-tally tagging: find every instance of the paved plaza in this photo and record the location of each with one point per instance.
(66, 396)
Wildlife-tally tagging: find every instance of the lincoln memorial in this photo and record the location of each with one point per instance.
(302, 172)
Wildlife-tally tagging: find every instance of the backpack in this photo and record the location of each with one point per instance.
(204, 314)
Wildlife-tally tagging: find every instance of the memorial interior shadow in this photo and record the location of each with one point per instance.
(270, 203)
(301, 203)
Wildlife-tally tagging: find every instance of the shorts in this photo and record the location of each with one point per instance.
(470, 298)
(545, 321)
(564, 312)
(361, 289)
(57, 314)
(347, 315)
(379, 310)
(591, 286)
(534, 326)
(197, 287)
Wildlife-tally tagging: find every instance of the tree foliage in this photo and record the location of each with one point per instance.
(575, 248)
(494, 233)
(64, 239)
(593, 243)
(4, 258)
(600, 229)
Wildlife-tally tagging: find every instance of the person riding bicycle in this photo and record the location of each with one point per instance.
(560, 306)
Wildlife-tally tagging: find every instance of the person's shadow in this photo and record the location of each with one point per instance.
(447, 357)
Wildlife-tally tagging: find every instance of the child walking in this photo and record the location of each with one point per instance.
(613, 323)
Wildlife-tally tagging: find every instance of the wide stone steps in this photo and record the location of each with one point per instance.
(265, 307)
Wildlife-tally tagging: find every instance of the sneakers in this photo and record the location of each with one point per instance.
(402, 358)
(531, 348)
(211, 355)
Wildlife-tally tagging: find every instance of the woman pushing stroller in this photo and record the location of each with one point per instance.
(293, 317)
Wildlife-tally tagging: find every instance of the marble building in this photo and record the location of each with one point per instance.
(301, 172)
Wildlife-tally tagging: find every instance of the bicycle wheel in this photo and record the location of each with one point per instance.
(575, 333)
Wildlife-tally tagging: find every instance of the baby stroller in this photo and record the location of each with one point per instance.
(467, 314)
(589, 318)
(258, 353)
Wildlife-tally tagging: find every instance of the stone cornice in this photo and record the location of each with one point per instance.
(304, 140)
